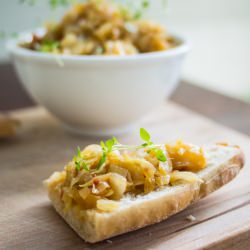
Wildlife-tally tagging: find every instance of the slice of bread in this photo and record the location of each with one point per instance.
(223, 164)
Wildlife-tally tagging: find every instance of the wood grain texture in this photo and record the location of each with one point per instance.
(28, 220)
(222, 109)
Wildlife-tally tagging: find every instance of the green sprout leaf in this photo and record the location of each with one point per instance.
(145, 136)
(113, 144)
(145, 4)
(84, 166)
(138, 14)
(160, 155)
(109, 145)
(102, 160)
(29, 2)
(79, 161)
(115, 140)
(103, 145)
(79, 152)
(49, 46)
(57, 3)
(78, 166)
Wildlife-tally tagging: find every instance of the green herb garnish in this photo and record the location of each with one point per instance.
(49, 46)
(107, 147)
(113, 144)
(137, 9)
(160, 155)
(53, 3)
(79, 161)
(138, 14)
(29, 2)
(103, 160)
(145, 136)
(57, 3)
(145, 4)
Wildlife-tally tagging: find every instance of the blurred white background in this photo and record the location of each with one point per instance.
(219, 31)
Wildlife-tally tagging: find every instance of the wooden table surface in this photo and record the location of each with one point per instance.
(28, 221)
(225, 110)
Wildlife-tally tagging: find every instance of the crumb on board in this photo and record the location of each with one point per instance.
(191, 218)
(149, 234)
(109, 241)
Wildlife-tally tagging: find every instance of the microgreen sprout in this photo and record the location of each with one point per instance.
(113, 144)
(141, 9)
(56, 3)
(137, 9)
(79, 161)
(107, 147)
(145, 136)
(49, 46)
(29, 2)
(145, 3)
(159, 154)
(53, 3)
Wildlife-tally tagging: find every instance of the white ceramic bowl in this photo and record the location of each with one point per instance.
(98, 95)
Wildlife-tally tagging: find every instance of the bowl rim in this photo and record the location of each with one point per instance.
(14, 49)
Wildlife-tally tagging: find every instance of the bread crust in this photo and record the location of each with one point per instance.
(94, 226)
(226, 172)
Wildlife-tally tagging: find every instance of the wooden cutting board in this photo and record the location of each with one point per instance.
(28, 221)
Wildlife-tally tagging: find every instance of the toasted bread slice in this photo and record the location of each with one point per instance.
(223, 164)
